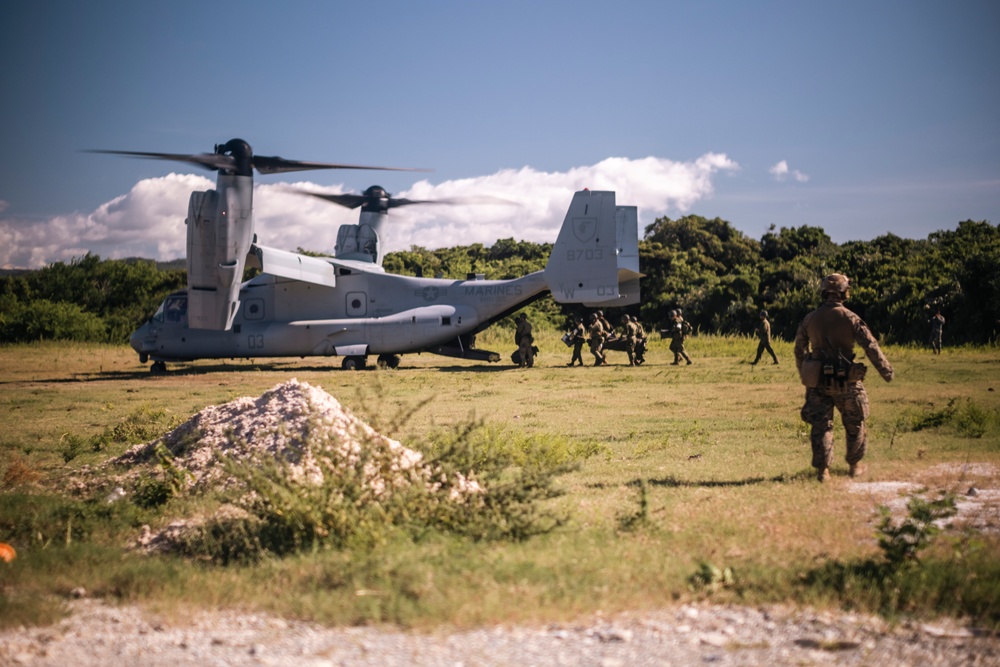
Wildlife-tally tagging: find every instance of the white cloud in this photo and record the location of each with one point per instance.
(149, 220)
(781, 172)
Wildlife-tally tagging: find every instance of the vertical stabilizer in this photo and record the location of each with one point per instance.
(583, 266)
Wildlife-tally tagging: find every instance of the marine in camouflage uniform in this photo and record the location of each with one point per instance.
(579, 338)
(596, 331)
(827, 336)
(525, 341)
(640, 342)
(629, 331)
(679, 330)
(608, 329)
(764, 333)
(937, 328)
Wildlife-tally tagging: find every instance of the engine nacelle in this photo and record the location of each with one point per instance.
(219, 234)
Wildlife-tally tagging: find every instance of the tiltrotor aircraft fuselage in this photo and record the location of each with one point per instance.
(348, 306)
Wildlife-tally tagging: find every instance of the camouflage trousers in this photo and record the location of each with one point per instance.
(677, 347)
(851, 402)
(597, 349)
(526, 351)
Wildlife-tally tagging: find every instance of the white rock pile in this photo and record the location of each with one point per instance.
(303, 429)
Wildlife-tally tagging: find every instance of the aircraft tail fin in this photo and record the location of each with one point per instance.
(595, 260)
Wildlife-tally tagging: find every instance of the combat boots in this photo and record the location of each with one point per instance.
(823, 475)
(857, 469)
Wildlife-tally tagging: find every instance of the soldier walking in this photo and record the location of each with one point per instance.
(937, 328)
(824, 355)
(597, 340)
(764, 333)
(579, 338)
(679, 331)
(629, 332)
(640, 342)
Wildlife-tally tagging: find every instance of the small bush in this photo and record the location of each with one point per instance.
(157, 489)
(901, 544)
(15, 471)
(481, 485)
(967, 417)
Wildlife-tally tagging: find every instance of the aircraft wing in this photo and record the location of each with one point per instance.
(291, 265)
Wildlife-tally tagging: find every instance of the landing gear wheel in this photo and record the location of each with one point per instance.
(353, 363)
(388, 361)
(158, 367)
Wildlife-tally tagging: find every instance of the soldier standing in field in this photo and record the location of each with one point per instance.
(824, 355)
(679, 331)
(764, 333)
(937, 328)
(525, 341)
(579, 338)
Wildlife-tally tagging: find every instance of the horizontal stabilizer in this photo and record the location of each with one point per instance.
(292, 265)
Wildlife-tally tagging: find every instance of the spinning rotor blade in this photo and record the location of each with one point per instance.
(279, 165)
(376, 198)
(211, 161)
(347, 201)
(237, 157)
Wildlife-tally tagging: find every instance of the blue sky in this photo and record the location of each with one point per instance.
(863, 118)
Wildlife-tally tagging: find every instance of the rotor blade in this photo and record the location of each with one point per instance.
(277, 165)
(453, 201)
(346, 200)
(207, 160)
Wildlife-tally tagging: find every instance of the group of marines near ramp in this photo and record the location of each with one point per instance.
(601, 336)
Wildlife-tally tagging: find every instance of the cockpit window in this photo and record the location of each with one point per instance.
(173, 310)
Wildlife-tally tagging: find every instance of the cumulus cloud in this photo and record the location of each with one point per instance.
(781, 172)
(148, 221)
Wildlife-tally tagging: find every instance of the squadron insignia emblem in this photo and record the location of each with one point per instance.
(584, 229)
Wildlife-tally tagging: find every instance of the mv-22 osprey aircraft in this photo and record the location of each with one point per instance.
(348, 306)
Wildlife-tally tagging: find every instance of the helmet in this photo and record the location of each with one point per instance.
(763, 313)
(635, 319)
(835, 282)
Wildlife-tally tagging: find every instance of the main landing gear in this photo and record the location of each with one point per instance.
(356, 363)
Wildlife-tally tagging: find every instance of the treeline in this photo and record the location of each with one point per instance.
(717, 275)
(88, 299)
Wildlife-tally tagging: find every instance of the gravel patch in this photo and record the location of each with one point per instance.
(99, 634)
(977, 502)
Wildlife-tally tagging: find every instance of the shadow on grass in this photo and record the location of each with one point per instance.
(672, 482)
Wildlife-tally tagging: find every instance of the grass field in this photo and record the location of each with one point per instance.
(682, 472)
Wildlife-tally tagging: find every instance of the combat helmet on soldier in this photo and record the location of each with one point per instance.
(835, 283)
